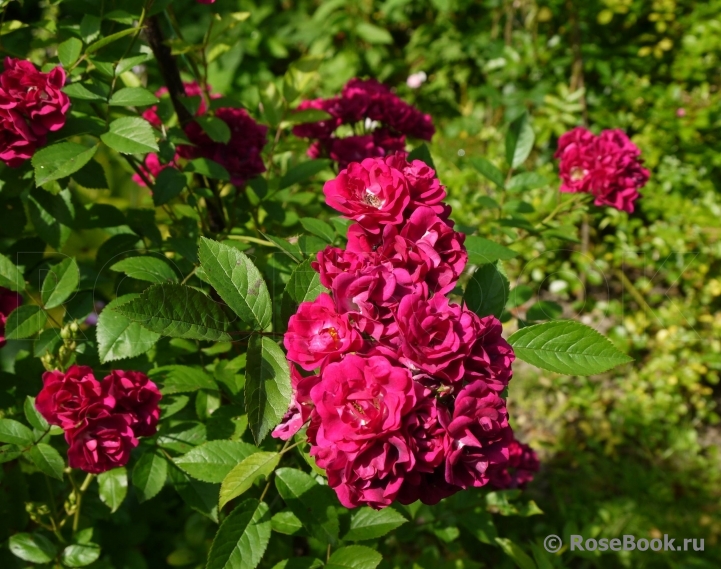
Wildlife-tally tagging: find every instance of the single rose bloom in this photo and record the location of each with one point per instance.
(479, 437)
(491, 357)
(317, 334)
(32, 104)
(608, 166)
(522, 465)
(241, 156)
(332, 261)
(301, 405)
(136, 396)
(360, 399)
(436, 336)
(371, 192)
(9, 301)
(371, 476)
(67, 398)
(101, 442)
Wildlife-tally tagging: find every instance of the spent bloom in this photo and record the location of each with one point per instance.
(608, 166)
(102, 420)
(32, 104)
(404, 401)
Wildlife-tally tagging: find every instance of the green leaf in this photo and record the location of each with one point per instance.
(85, 91)
(267, 385)
(101, 43)
(130, 135)
(132, 97)
(373, 34)
(319, 228)
(237, 281)
(10, 275)
(423, 154)
(541, 556)
(290, 249)
(215, 128)
(179, 312)
(208, 168)
(33, 416)
(53, 216)
(487, 291)
(312, 503)
(60, 160)
(15, 433)
(48, 460)
(149, 475)
(519, 295)
(80, 554)
(213, 461)
(515, 552)
(119, 337)
(169, 184)
(526, 181)
(519, 141)
(60, 282)
(113, 487)
(303, 286)
(242, 476)
(181, 379)
(354, 557)
(544, 310)
(242, 538)
(69, 51)
(147, 268)
(489, 171)
(367, 523)
(303, 172)
(9, 452)
(287, 523)
(482, 251)
(308, 116)
(565, 346)
(201, 496)
(25, 321)
(10, 25)
(32, 547)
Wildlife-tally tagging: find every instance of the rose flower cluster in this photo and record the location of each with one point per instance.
(400, 388)
(380, 121)
(102, 420)
(32, 104)
(240, 156)
(608, 166)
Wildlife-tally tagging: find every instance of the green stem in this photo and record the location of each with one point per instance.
(79, 500)
(633, 291)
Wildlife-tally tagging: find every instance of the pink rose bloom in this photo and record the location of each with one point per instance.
(426, 247)
(680, 112)
(136, 396)
(435, 336)
(101, 442)
(372, 295)
(32, 104)
(425, 188)
(608, 166)
(415, 80)
(241, 156)
(479, 437)
(361, 399)
(9, 301)
(301, 405)
(67, 398)
(332, 261)
(491, 357)
(522, 465)
(373, 476)
(318, 335)
(372, 192)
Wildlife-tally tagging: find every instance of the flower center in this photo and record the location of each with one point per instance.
(578, 174)
(333, 333)
(372, 200)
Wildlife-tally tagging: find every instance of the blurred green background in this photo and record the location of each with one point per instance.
(635, 451)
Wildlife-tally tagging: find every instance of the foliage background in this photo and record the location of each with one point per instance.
(633, 451)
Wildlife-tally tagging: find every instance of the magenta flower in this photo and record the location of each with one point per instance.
(137, 396)
(101, 442)
(301, 405)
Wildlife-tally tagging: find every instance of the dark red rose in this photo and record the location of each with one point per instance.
(101, 442)
(136, 396)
